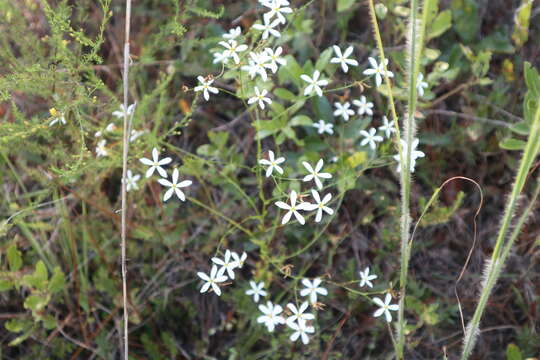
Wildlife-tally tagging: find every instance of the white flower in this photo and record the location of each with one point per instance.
(268, 28)
(232, 49)
(212, 280)
(257, 65)
(233, 33)
(277, 10)
(226, 264)
(312, 288)
(239, 259)
(315, 174)
(271, 316)
(343, 58)
(414, 155)
(135, 134)
(387, 127)
(110, 127)
(260, 97)
(343, 110)
(155, 164)
(122, 112)
(272, 163)
(421, 84)
(257, 290)
(378, 70)
(385, 307)
(274, 58)
(174, 186)
(293, 209)
(364, 107)
(205, 87)
(301, 331)
(314, 83)
(131, 181)
(60, 119)
(365, 278)
(221, 57)
(320, 205)
(324, 127)
(101, 150)
(370, 138)
(298, 313)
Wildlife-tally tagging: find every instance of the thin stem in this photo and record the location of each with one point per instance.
(497, 260)
(125, 149)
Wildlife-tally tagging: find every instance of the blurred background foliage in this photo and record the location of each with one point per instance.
(60, 293)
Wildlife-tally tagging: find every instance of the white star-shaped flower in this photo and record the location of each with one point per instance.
(343, 110)
(232, 49)
(315, 174)
(131, 181)
(59, 119)
(205, 87)
(387, 127)
(268, 28)
(314, 83)
(378, 70)
(174, 186)
(216, 277)
(385, 307)
(365, 278)
(320, 205)
(414, 155)
(233, 33)
(239, 259)
(277, 8)
(257, 65)
(122, 112)
(227, 265)
(298, 313)
(260, 97)
(135, 134)
(272, 163)
(271, 316)
(370, 138)
(257, 290)
(301, 331)
(312, 288)
(293, 209)
(220, 57)
(343, 58)
(364, 107)
(421, 84)
(324, 127)
(274, 58)
(155, 164)
(101, 149)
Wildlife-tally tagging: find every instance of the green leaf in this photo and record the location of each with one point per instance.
(58, 280)
(36, 302)
(440, 25)
(344, 5)
(38, 279)
(522, 18)
(284, 94)
(301, 120)
(14, 258)
(532, 79)
(521, 128)
(324, 60)
(322, 108)
(466, 22)
(512, 144)
(5, 285)
(513, 352)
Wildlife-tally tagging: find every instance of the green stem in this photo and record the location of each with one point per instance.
(497, 260)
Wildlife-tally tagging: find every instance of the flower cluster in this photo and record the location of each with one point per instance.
(222, 270)
(174, 187)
